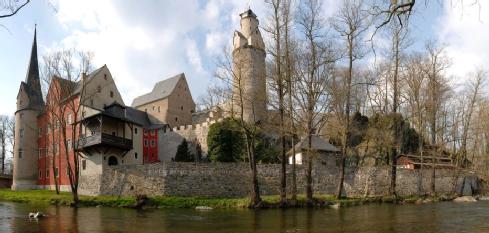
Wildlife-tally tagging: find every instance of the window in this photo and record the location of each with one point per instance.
(153, 108)
(56, 172)
(48, 128)
(135, 130)
(99, 89)
(47, 173)
(55, 149)
(40, 174)
(152, 143)
(68, 119)
(153, 132)
(146, 142)
(145, 132)
(84, 164)
(68, 172)
(176, 119)
(91, 102)
(46, 151)
(58, 124)
(136, 155)
(105, 76)
(40, 152)
(20, 153)
(21, 133)
(158, 108)
(21, 115)
(181, 107)
(40, 132)
(83, 114)
(111, 94)
(68, 144)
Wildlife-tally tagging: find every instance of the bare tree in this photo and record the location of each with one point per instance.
(9, 8)
(6, 138)
(68, 82)
(350, 23)
(275, 29)
(314, 67)
(232, 73)
(437, 63)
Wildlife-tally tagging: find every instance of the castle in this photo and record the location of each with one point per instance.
(90, 118)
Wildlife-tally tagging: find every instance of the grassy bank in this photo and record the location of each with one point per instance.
(64, 198)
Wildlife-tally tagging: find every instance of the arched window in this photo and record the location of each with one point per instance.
(112, 161)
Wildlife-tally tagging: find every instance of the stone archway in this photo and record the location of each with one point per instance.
(113, 161)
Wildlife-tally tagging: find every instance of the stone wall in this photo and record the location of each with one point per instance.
(232, 179)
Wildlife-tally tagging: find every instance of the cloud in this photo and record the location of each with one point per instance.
(145, 42)
(464, 29)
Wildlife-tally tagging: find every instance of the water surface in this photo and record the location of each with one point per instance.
(441, 217)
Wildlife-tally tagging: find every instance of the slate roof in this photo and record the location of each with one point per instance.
(125, 113)
(317, 144)
(161, 90)
(32, 84)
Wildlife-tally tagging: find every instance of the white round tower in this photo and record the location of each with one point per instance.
(249, 91)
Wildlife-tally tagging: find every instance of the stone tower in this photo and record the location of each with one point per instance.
(249, 91)
(29, 105)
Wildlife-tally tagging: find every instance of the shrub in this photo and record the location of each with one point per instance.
(225, 141)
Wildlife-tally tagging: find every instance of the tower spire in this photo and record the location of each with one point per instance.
(32, 78)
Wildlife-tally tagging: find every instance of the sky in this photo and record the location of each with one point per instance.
(143, 42)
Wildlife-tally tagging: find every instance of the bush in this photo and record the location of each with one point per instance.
(225, 141)
(183, 154)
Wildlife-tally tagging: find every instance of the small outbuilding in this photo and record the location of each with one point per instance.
(318, 144)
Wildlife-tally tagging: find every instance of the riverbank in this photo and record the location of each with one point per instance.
(65, 198)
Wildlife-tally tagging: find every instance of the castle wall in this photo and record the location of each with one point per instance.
(233, 179)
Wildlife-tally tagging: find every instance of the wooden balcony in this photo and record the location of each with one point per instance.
(104, 140)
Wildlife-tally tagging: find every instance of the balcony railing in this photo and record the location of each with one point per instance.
(104, 140)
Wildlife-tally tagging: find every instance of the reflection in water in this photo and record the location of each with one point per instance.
(442, 217)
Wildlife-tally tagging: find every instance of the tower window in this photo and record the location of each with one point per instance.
(21, 115)
(21, 133)
(20, 153)
(68, 143)
(111, 94)
(68, 118)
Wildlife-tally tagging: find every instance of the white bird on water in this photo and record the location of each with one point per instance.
(36, 215)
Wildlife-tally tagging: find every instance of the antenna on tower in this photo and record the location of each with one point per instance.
(249, 4)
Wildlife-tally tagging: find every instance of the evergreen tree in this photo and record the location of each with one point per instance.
(183, 153)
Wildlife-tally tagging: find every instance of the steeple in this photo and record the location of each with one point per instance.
(32, 78)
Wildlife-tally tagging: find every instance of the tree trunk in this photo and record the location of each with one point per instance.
(309, 193)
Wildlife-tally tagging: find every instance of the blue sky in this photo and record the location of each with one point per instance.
(143, 42)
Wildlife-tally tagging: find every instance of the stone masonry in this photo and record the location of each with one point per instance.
(232, 180)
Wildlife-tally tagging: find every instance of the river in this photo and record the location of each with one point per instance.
(441, 217)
